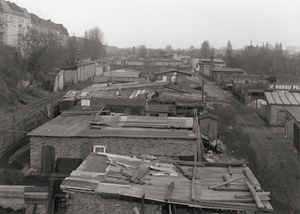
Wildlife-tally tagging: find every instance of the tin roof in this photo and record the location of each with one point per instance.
(283, 98)
(177, 96)
(102, 173)
(77, 125)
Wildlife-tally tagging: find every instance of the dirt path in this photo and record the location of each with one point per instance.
(270, 155)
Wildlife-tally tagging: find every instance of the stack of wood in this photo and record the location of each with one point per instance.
(34, 199)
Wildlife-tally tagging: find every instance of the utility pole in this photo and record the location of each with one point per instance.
(202, 70)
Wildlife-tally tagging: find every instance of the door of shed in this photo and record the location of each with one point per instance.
(296, 138)
(47, 159)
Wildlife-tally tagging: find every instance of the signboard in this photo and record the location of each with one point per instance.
(85, 103)
(284, 87)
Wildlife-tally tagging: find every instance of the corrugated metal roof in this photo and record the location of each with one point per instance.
(294, 111)
(283, 98)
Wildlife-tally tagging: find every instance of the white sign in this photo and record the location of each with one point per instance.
(85, 102)
(286, 87)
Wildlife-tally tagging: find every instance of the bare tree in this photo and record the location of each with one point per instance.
(40, 52)
(169, 48)
(93, 43)
(229, 57)
(142, 51)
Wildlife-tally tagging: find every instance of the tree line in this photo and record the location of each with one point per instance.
(256, 59)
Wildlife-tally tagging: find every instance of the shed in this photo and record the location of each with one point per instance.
(216, 73)
(209, 124)
(161, 110)
(276, 101)
(172, 75)
(111, 183)
(292, 126)
(77, 135)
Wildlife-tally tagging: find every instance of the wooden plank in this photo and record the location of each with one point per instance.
(143, 204)
(256, 198)
(193, 194)
(188, 175)
(226, 182)
(30, 208)
(229, 170)
(136, 210)
(248, 176)
(225, 179)
(169, 191)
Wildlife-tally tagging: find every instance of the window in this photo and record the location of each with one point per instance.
(99, 149)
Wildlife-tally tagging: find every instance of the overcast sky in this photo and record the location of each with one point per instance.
(180, 23)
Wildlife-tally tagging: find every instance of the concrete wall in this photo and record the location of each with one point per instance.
(86, 203)
(80, 147)
(70, 76)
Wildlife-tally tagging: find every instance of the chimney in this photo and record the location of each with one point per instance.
(133, 51)
(212, 61)
(250, 42)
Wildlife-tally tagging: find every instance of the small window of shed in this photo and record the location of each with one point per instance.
(99, 149)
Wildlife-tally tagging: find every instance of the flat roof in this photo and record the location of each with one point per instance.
(106, 173)
(283, 98)
(78, 125)
(229, 70)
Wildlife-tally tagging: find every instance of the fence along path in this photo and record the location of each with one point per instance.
(15, 129)
(12, 132)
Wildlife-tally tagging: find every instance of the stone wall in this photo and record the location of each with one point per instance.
(76, 147)
(86, 203)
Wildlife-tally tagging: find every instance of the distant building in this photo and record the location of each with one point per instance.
(16, 22)
(43, 25)
(293, 49)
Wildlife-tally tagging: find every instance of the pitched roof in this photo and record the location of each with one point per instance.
(12, 8)
(94, 176)
(215, 60)
(208, 115)
(228, 70)
(294, 111)
(283, 98)
(173, 70)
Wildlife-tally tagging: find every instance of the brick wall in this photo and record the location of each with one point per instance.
(80, 147)
(85, 203)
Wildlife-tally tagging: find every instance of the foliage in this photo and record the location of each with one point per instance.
(205, 51)
(228, 56)
(169, 48)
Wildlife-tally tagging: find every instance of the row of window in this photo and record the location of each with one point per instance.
(13, 18)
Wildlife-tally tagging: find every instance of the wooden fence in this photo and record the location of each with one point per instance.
(13, 132)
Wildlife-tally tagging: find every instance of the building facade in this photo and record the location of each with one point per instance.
(14, 22)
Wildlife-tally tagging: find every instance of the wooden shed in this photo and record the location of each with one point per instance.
(276, 102)
(209, 124)
(292, 126)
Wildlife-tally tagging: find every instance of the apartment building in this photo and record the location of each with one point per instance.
(14, 22)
